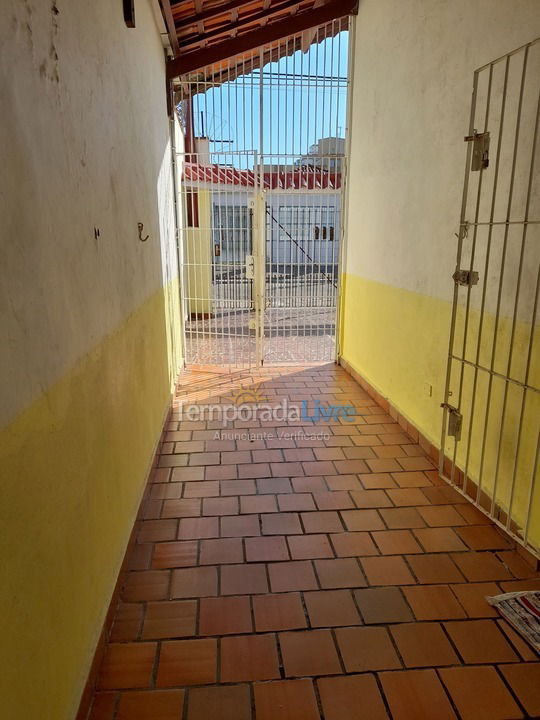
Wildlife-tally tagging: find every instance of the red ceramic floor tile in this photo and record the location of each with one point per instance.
(524, 679)
(339, 573)
(103, 706)
(522, 647)
(141, 556)
(220, 506)
(388, 570)
(146, 585)
(174, 554)
(443, 539)
(240, 525)
(407, 497)
(353, 544)
(281, 524)
(333, 500)
(481, 566)
(364, 499)
(222, 550)
(331, 608)
(433, 602)
(396, 542)
(295, 502)
(479, 693)
(196, 528)
(412, 480)
(483, 537)
(352, 696)
(250, 504)
(283, 611)
(249, 657)
(472, 597)
(243, 579)
(288, 576)
(209, 488)
(366, 648)
(423, 645)
(309, 652)
(157, 530)
(167, 491)
(309, 484)
(273, 486)
(342, 482)
(238, 487)
(441, 516)
(151, 705)
(182, 508)
(416, 695)
(382, 605)
(187, 662)
(224, 615)
(305, 547)
(321, 522)
(359, 520)
(256, 470)
(402, 518)
(266, 549)
(286, 700)
(127, 622)
(377, 481)
(169, 619)
(517, 565)
(434, 569)
(231, 702)
(127, 665)
(480, 641)
(194, 582)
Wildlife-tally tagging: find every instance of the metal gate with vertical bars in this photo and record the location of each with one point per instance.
(491, 417)
(262, 180)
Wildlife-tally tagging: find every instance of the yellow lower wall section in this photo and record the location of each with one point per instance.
(398, 341)
(73, 467)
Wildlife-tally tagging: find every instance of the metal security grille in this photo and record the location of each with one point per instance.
(491, 421)
(262, 183)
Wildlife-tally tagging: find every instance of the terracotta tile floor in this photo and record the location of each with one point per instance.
(299, 571)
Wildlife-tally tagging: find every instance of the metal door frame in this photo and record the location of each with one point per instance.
(461, 404)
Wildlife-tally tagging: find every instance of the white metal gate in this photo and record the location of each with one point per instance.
(262, 180)
(491, 423)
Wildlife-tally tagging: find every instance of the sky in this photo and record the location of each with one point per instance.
(303, 98)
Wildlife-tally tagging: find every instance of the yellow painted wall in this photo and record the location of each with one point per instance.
(399, 346)
(90, 326)
(73, 466)
(413, 72)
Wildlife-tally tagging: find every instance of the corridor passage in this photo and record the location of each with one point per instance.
(289, 570)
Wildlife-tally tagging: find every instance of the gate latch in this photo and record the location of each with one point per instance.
(455, 420)
(250, 267)
(465, 277)
(480, 154)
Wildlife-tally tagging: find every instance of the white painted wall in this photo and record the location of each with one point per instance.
(413, 68)
(84, 144)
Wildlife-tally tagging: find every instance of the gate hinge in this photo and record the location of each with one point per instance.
(455, 420)
(465, 277)
(480, 154)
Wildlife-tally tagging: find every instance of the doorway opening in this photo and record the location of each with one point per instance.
(263, 175)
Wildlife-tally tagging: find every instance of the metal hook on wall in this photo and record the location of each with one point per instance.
(140, 227)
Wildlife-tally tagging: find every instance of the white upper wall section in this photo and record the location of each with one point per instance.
(85, 144)
(413, 72)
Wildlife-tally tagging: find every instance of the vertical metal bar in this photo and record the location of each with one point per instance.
(461, 236)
